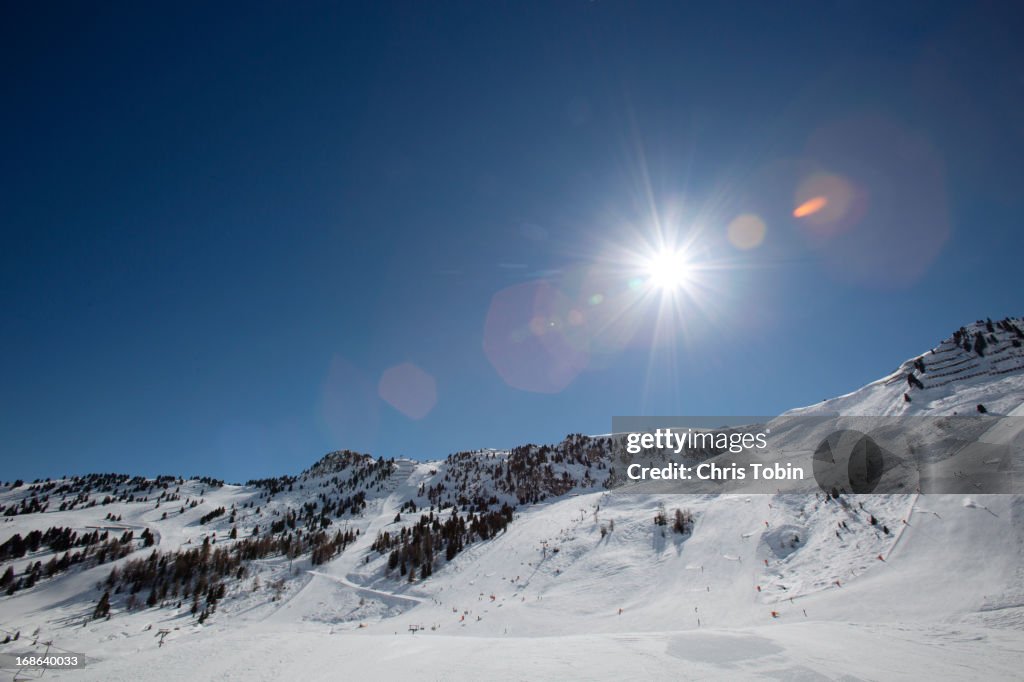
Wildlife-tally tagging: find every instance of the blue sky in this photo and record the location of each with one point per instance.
(237, 237)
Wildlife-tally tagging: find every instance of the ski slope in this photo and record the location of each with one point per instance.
(584, 584)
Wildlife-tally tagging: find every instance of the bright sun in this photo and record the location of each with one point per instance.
(668, 270)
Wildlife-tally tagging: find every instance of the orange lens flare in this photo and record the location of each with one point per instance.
(810, 207)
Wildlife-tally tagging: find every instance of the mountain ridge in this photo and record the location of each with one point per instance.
(526, 541)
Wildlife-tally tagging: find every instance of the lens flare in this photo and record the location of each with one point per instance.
(746, 231)
(408, 389)
(810, 207)
(887, 218)
(534, 337)
(828, 203)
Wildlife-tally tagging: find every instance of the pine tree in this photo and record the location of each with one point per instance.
(103, 607)
(980, 344)
(683, 522)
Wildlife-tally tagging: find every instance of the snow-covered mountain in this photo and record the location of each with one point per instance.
(522, 564)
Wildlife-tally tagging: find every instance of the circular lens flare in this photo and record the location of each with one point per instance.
(746, 231)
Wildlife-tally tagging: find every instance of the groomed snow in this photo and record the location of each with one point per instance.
(793, 587)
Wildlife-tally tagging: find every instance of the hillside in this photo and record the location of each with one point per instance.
(522, 564)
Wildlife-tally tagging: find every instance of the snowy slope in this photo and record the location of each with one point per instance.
(953, 380)
(581, 582)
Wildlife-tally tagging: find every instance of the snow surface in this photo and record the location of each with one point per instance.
(585, 585)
